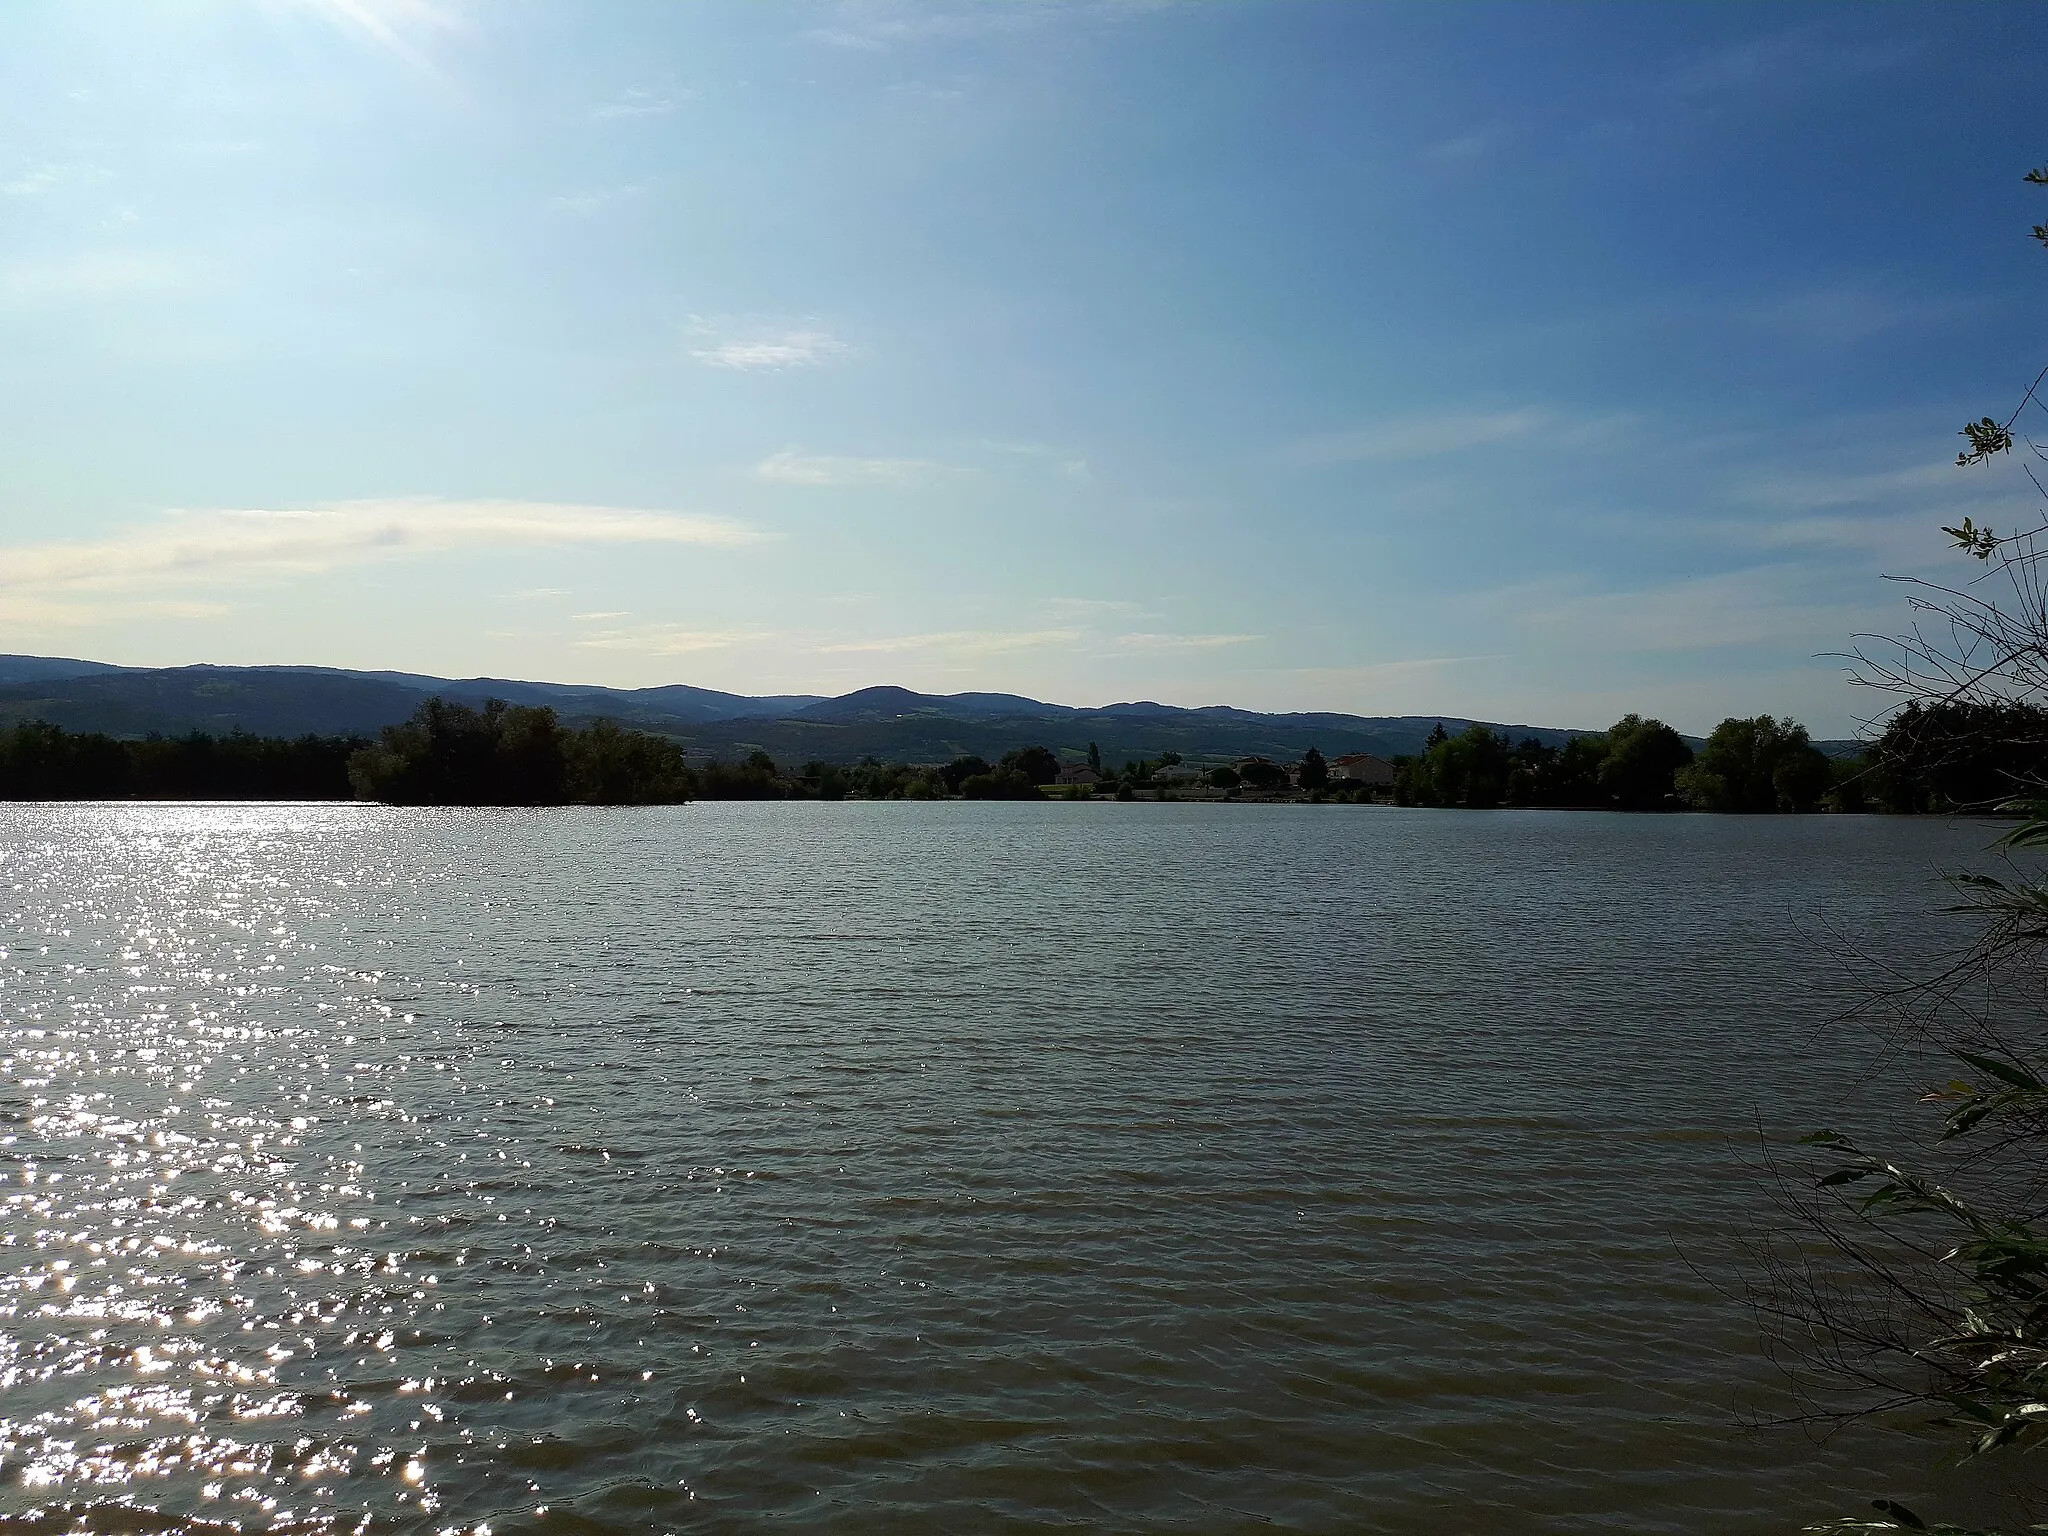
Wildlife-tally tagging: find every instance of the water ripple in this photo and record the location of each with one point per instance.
(908, 1168)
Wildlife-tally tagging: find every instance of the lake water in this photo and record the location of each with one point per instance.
(917, 1168)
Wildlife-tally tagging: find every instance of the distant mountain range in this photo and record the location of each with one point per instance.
(894, 724)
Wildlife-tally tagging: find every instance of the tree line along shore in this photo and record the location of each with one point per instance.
(1944, 757)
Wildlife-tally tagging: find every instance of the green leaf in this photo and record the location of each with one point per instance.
(1987, 438)
(1980, 881)
(1965, 1118)
(2012, 1075)
(1972, 1409)
(2033, 831)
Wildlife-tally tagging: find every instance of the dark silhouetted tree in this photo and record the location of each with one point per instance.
(960, 770)
(503, 754)
(1002, 784)
(1640, 769)
(1257, 773)
(1036, 764)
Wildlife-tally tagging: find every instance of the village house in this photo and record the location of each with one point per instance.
(1079, 773)
(1362, 768)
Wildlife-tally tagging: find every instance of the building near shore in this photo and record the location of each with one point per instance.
(1362, 768)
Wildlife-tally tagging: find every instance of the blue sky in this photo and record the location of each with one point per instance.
(1527, 362)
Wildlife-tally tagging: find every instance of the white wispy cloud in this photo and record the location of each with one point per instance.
(790, 467)
(665, 639)
(1165, 642)
(1872, 542)
(1383, 671)
(960, 642)
(184, 549)
(1095, 607)
(1885, 519)
(43, 178)
(875, 27)
(1069, 463)
(597, 198)
(1803, 490)
(1853, 309)
(35, 611)
(1790, 59)
(94, 275)
(1473, 144)
(1768, 605)
(1419, 437)
(925, 90)
(642, 101)
(790, 349)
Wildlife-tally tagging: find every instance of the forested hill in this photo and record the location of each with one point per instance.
(894, 724)
(937, 729)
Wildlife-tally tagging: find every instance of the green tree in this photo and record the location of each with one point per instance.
(754, 777)
(828, 781)
(240, 766)
(1471, 770)
(1095, 759)
(1315, 773)
(1629, 767)
(1580, 764)
(1037, 764)
(1002, 784)
(873, 779)
(1639, 770)
(450, 754)
(40, 761)
(1756, 765)
(960, 770)
(1257, 773)
(1566, 776)
(1532, 768)
(610, 765)
(1851, 787)
(531, 757)
(924, 783)
(1957, 754)
(502, 754)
